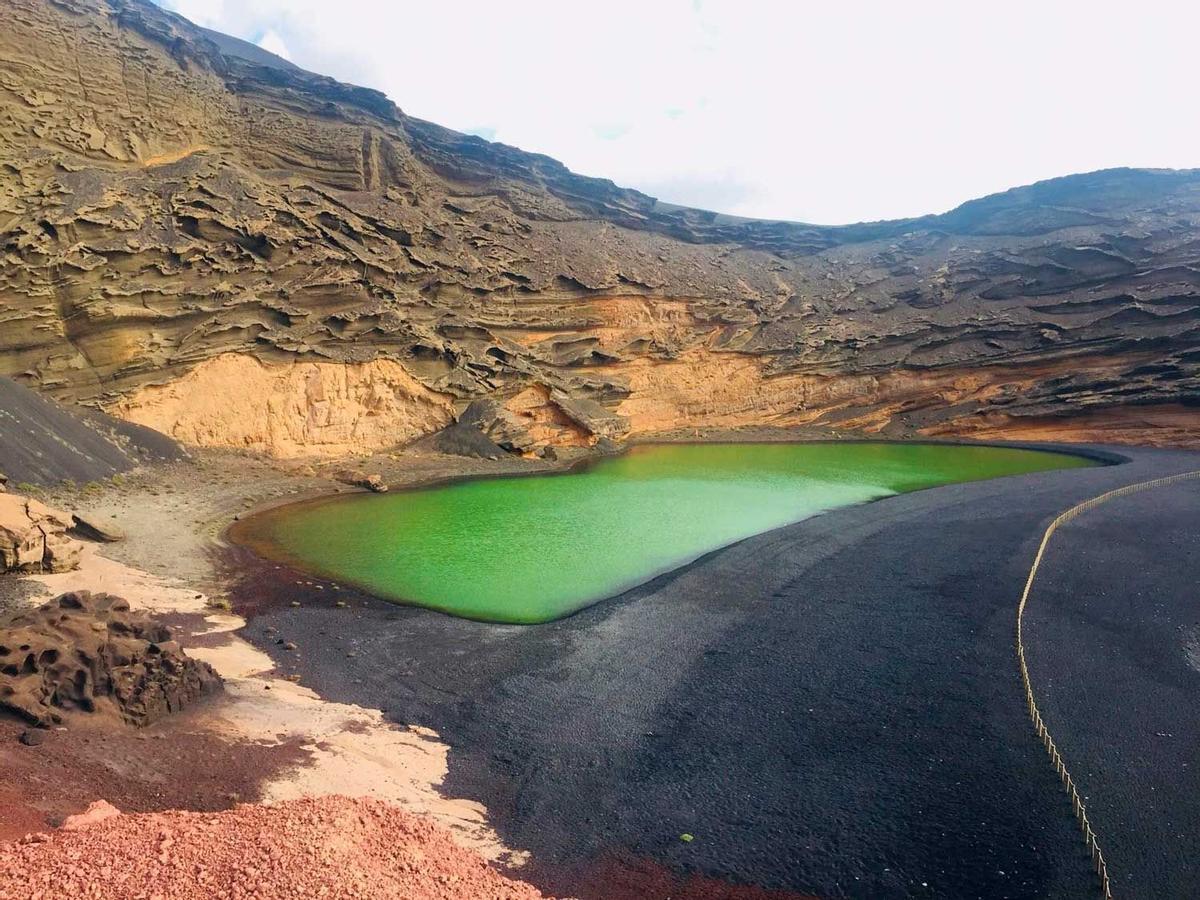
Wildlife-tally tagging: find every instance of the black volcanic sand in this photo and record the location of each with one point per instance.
(833, 707)
(1114, 649)
(43, 442)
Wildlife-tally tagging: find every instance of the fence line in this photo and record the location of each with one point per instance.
(1043, 733)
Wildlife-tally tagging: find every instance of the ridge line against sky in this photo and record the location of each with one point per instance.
(822, 113)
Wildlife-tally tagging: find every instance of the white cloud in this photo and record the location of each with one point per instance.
(209, 13)
(273, 43)
(818, 112)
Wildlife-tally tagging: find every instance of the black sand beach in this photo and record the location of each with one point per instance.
(832, 708)
(1114, 650)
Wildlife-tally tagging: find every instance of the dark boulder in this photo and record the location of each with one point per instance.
(91, 653)
(463, 439)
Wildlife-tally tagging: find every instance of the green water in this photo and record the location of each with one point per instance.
(537, 548)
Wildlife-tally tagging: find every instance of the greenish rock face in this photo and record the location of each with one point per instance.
(532, 549)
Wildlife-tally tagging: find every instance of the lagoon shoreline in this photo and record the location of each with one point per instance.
(584, 747)
(556, 727)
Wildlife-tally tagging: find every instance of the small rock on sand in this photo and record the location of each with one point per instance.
(359, 478)
(95, 529)
(97, 811)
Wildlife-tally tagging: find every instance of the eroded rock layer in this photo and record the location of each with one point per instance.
(33, 536)
(176, 208)
(290, 408)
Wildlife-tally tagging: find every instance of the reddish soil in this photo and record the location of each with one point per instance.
(329, 847)
(630, 878)
(174, 764)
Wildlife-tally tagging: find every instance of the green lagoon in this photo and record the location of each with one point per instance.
(532, 549)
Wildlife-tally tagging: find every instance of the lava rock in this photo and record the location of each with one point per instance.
(90, 653)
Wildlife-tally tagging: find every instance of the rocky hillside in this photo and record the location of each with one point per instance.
(205, 239)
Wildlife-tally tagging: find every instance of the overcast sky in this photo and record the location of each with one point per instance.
(829, 112)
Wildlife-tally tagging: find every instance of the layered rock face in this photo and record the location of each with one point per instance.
(33, 537)
(290, 408)
(184, 215)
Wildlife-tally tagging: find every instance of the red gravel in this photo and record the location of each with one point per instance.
(330, 847)
(623, 877)
(179, 762)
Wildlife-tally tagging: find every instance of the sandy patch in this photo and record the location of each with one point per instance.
(350, 750)
(355, 752)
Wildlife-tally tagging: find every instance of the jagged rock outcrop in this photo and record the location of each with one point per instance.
(173, 201)
(531, 421)
(358, 478)
(33, 537)
(90, 653)
(462, 439)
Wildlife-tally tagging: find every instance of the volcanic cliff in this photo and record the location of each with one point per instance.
(203, 238)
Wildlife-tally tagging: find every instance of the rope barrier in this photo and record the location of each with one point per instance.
(1043, 733)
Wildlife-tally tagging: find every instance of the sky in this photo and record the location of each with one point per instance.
(830, 112)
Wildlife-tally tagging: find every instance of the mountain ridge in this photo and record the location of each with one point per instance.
(175, 210)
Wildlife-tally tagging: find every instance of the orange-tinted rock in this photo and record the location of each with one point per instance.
(328, 847)
(33, 537)
(97, 811)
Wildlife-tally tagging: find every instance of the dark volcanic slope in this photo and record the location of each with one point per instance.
(172, 196)
(833, 707)
(43, 442)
